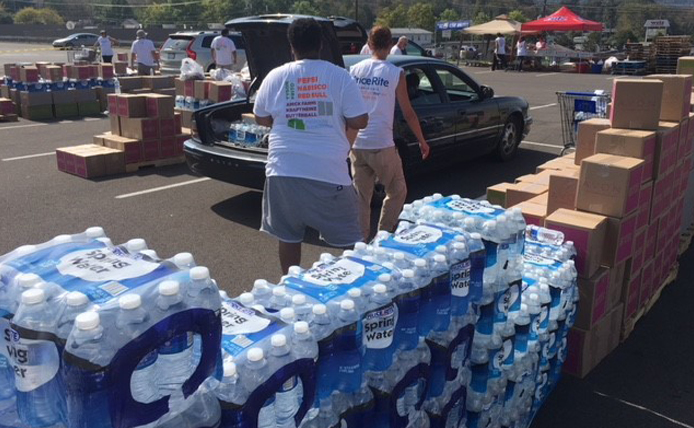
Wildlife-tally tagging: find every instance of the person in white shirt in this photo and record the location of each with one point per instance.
(144, 53)
(223, 51)
(309, 103)
(400, 48)
(499, 61)
(374, 155)
(521, 52)
(106, 43)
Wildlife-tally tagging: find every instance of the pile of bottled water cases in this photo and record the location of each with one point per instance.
(458, 319)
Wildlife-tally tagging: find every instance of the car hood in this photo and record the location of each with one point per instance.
(267, 46)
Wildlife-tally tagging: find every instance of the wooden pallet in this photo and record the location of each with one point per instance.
(134, 167)
(8, 118)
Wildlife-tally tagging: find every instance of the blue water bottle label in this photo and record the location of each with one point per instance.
(379, 327)
(34, 362)
(470, 207)
(507, 351)
(242, 327)
(544, 318)
(148, 360)
(503, 302)
(491, 249)
(460, 278)
(418, 240)
(496, 358)
(177, 344)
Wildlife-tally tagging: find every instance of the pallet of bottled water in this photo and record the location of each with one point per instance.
(248, 134)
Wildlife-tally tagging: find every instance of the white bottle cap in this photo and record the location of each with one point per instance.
(87, 321)
(441, 249)
(380, 289)
(259, 308)
(523, 307)
(301, 327)
(437, 196)
(399, 256)
(348, 253)
(458, 216)
(354, 293)
(279, 291)
(25, 249)
(130, 301)
(420, 263)
(326, 256)
(183, 259)
(385, 277)
(287, 314)
(260, 283)
(490, 224)
(229, 369)
(298, 299)
(246, 298)
(223, 295)
(150, 253)
(476, 236)
(33, 296)
(278, 340)
(360, 246)
(440, 258)
(199, 273)
(169, 288)
(95, 232)
(75, 298)
(388, 265)
(62, 239)
(534, 297)
(380, 251)
(319, 309)
(347, 305)
(294, 270)
(408, 273)
(28, 280)
(255, 354)
(135, 245)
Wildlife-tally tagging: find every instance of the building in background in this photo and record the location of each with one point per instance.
(421, 37)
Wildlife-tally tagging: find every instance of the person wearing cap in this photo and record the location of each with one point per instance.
(106, 43)
(223, 51)
(144, 52)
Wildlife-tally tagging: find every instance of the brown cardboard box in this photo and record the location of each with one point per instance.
(131, 148)
(140, 128)
(63, 97)
(676, 100)
(588, 347)
(594, 298)
(99, 139)
(585, 138)
(540, 199)
(617, 278)
(636, 104)
(167, 91)
(631, 296)
(644, 205)
(54, 73)
(89, 108)
(102, 96)
(685, 65)
(150, 149)
(522, 192)
(557, 164)
(7, 106)
(160, 106)
(185, 87)
(587, 231)
(129, 83)
(61, 111)
(7, 68)
(533, 213)
(667, 143)
(5, 91)
(541, 177)
(202, 89)
(90, 160)
(35, 98)
(186, 117)
(131, 105)
(631, 143)
(562, 190)
(637, 260)
(106, 71)
(220, 91)
(496, 194)
(16, 99)
(120, 67)
(157, 82)
(609, 185)
(29, 74)
(85, 95)
(41, 112)
(115, 124)
(81, 72)
(619, 239)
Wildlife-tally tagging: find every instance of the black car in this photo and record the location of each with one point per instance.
(460, 118)
(350, 34)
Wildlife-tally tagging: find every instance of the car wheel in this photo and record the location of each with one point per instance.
(510, 139)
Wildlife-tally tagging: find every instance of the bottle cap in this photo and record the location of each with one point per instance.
(87, 321)
(135, 245)
(380, 289)
(287, 314)
(354, 293)
(301, 327)
(62, 239)
(347, 305)
(490, 224)
(441, 249)
(278, 340)
(469, 222)
(440, 258)
(380, 251)
(294, 270)
(523, 307)
(169, 288)
(28, 280)
(534, 297)
(130, 301)
(33, 296)
(199, 273)
(388, 265)
(348, 253)
(459, 246)
(229, 369)
(368, 259)
(259, 308)
(75, 298)
(458, 216)
(95, 232)
(260, 283)
(385, 277)
(437, 196)
(360, 246)
(279, 291)
(399, 256)
(408, 273)
(420, 263)
(25, 249)
(246, 298)
(298, 299)
(255, 354)
(149, 253)
(476, 236)
(183, 259)
(319, 309)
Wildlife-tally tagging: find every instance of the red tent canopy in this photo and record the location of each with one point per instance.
(562, 20)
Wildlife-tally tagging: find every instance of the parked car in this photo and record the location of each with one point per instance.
(76, 40)
(351, 35)
(196, 45)
(460, 118)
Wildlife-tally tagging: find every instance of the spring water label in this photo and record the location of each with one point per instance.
(418, 240)
(34, 362)
(148, 360)
(468, 206)
(496, 358)
(541, 261)
(177, 344)
(418, 235)
(103, 264)
(503, 302)
(507, 352)
(543, 319)
(243, 327)
(460, 278)
(514, 298)
(379, 326)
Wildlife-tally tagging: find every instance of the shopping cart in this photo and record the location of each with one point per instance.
(82, 54)
(575, 107)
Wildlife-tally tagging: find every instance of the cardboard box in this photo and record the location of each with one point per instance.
(186, 117)
(129, 83)
(89, 108)
(644, 211)
(150, 149)
(563, 186)
(54, 73)
(617, 278)
(662, 193)
(585, 138)
(667, 143)
(609, 185)
(99, 139)
(541, 177)
(7, 68)
(520, 192)
(184, 87)
(588, 347)
(496, 194)
(202, 89)
(112, 104)
(102, 96)
(115, 124)
(167, 147)
(180, 139)
(157, 82)
(81, 72)
(139, 128)
(636, 104)
(168, 128)
(122, 56)
(647, 282)
(41, 112)
(120, 68)
(637, 260)
(29, 74)
(594, 298)
(5, 91)
(685, 65)
(619, 239)
(167, 91)
(132, 149)
(36, 98)
(630, 143)
(160, 106)
(587, 231)
(651, 241)
(64, 110)
(131, 105)
(90, 161)
(631, 296)
(540, 199)
(7, 106)
(676, 99)
(63, 97)
(533, 213)
(220, 91)
(106, 71)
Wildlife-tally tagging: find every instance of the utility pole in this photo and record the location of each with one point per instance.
(544, 8)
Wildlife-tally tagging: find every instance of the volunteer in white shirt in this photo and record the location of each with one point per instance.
(521, 52)
(309, 103)
(499, 61)
(106, 43)
(223, 51)
(374, 155)
(400, 48)
(144, 53)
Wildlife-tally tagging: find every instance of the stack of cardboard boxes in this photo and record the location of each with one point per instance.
(8, 110)
(620, 199)
(144, 131)
(211, 90)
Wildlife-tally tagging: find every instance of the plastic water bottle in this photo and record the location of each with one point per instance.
(288, 316)
(303, 343)
(116, 85)
(441, 293)
(262, 292)
(75, 304)
(180, 102)
(151, 254)
(131, 321)
(356, 295)
(543, 235)
(39, 394)
(287, 397)
(302, 309)
(408, 303)
(279, 298)
(231, 391)
(379, 328)
(184, 261)
(247, 299)
(322, 329)
(461, 267)
(348, 349)
(258, 372)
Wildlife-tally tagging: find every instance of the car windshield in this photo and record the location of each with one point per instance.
(177, 42)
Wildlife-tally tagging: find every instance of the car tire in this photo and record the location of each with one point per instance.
(507, 147)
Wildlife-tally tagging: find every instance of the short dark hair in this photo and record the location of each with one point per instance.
(225, 32)
(305, 35)
(380, 38)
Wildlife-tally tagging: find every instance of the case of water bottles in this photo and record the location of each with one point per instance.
(248, 134)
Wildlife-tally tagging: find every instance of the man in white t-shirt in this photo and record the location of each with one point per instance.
(309, 103)
(144, 53)
(106, 43)
(374, 155)
(223, 51)
(499, 61)
(400, 48)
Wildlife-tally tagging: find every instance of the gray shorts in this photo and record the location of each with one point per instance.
(144, 70)
(291, 204)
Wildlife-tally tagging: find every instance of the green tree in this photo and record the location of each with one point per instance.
(45, 16)
(157, 14)
(421, 15)
(449, 15)
(113, 11)
(481, 18)
(395, 17)
(5, 15)
(517, 15)
(220, 11)
(305, 7)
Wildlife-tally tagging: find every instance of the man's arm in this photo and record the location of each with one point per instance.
(263, 120)
(410, 115)
(155, 54)
(358, 122)
(115, 42)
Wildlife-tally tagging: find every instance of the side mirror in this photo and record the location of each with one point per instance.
(487, 92)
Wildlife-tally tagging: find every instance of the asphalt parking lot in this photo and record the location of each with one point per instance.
(645, 383)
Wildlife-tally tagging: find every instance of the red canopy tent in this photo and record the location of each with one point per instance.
(562, 20)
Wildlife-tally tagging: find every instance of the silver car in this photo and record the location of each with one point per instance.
(196, 45)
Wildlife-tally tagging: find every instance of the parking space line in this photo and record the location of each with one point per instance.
(645, 409)
(533, 144)
(91, 119)
(38, 155)
(66, 121)
(544, 106)
(158, 189)
(23, 126)
(545, 74)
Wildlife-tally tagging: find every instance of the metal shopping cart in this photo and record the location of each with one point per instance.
(83, 54)
(575, 107)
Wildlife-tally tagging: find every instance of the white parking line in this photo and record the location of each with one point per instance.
(66, 121)
(38, 155)
(645, 409)
(545, 74)
(158, 189)
(533, 144)
(544, 106)
(23, 126)
(91, 119)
